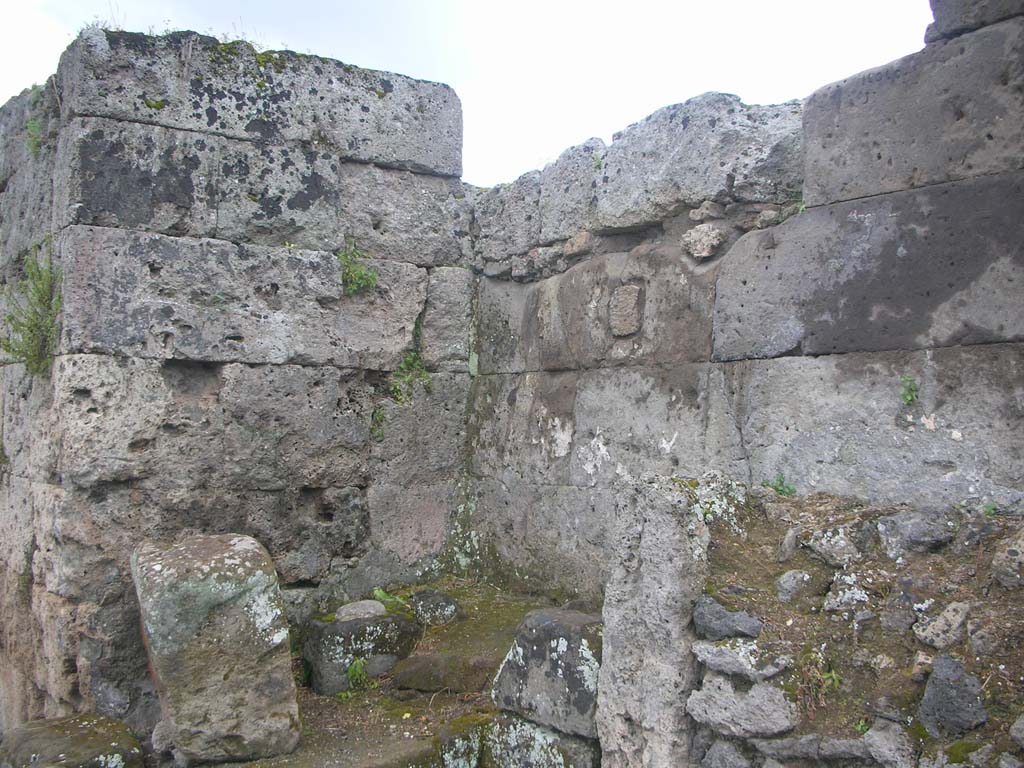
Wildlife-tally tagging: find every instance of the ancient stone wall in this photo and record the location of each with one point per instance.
(827, 293)
(747, 289)
(213, 373)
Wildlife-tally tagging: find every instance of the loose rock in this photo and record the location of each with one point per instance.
(763, 711)
(714, 622)
(951, 705)
(724, 754)
(944, 630)
(739, 657)
(434, 608)
(914, 531)
(1008, 562)
(790, 584)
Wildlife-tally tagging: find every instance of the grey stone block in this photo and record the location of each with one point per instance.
(909, 270)
(761, 711)
(217, 641)
(549, 675)
(953, 111)
(508, 220)
(566, 322)
(448, 320)
(151, 296)
(175, 182)
(189, 81)
(955, 17)
(567, 197)
(712, 147)
(952, 703)
(837, 423)
(512, 742)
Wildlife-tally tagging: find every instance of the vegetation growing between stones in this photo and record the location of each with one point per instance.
(814, 679)
(34, 136)
(356, 277)
(908, 389)
(404, 378)
(34, 308)
(780, 486)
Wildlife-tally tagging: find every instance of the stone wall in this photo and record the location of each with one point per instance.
(744, 289)
(212, 372)
(828, 292)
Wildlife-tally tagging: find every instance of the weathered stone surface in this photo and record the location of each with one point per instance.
(740, 658)
(714, 622)
(212, 300)
(448, 333)
(549, 675)
(507, 219)
(565, 322)
(330, 648)
(835, 546)
(703, 241)
(952, 703)
(512, 742)
(724, 754)
(712, 147)
(443, 672)
(193, 82)
(1008, 562)
(433, 608)
(1017, 731)
(951, 111)
(625, 310)
(360, 609)
(143, 177)
(760, 712)
(889, 744)
(909, 270)
(944, 630)
(567, 191)
(85, 741)
(955, 17)
(790, 584)
(647, 669)
(838, 423)
(914, 531)
(217, 642)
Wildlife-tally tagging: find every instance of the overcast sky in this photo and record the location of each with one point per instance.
(535, 77)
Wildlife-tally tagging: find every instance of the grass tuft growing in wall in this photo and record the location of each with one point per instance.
(34, 307)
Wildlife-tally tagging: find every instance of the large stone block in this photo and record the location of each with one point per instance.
(512, 742)
(838, 423)
(671, 420)
(552, 539)
(954, 17)
(507, 218)
(217, 642)
(575, 319)
(908, 270)
(550, 673)
(952, 111)
(145, 177)
(152, 296)
(659, 564)
(449, 332)
(712, 147)
(190, 81)
(86, 741)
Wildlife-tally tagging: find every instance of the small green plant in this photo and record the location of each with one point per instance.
(356, 277)
(377, 419)
(813, 681)
(908, 389)
(404, 378)
(780, 486)
(391, 602)
(356, 675)
(862, 726)
(156, 104)
(598, 163)
(270, 59)
(34, 136)
(32, 327)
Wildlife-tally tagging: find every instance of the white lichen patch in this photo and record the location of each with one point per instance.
(594, 454)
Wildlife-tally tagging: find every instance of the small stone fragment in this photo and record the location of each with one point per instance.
(1006, 760)
(888, 744)
(767, 218)
(739, 657)
(914, 531)
(790, 584)
(714, 622)
(83, 741)
(787, 549)
(1008, 562)
(443, 671)
(944, 630)
(709, 209)
(845, 593)
(763, 711)
(624, 310)
(951, 704)
(361, 609)
(433, 608)
(331, 647)
(921, 667)
(724, 754)
(835, 546)
(703, 241)
(1017, 731)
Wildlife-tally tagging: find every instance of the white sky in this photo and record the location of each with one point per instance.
(535, 77)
